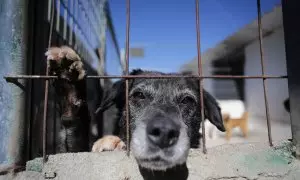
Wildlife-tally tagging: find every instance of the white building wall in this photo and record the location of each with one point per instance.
(275, 64)
(208, 83)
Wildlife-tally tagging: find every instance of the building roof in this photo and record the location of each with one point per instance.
(270, 22)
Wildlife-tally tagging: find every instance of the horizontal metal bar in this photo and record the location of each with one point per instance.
(150, 77)
(29, 77)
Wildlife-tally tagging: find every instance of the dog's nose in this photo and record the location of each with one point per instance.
(163, 132)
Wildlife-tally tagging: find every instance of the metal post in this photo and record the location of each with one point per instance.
(291, 14)
(200, 74)
(262, 64)
(127, 73)
(102, 34)
(13, 48)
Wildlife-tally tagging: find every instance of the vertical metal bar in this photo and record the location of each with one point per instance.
(127, 72)
(75, 25)
(46, 90)
(71, 22)
(57, 15)
(65, 9)
(263, 71)
(200, 74)
(102, 50)
(291, 13)
(49, 9)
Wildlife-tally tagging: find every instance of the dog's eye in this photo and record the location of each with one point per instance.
(138, 95)
(187, 100)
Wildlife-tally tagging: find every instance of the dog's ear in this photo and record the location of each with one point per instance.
(136, 72)
(212, 111)
(116, 94)
(110, 95)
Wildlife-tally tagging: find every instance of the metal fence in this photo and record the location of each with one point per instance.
(200, 76)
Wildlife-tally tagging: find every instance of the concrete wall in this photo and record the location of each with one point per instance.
(236, 162)
(208, 83)
(13, 40)
(275, 64)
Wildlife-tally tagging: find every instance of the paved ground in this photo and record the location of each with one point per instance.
(257, 133)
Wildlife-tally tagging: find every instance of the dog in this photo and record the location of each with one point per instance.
(70, 89)
(231, 123)
(164, 119)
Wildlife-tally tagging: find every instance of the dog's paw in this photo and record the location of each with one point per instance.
(108, 143)
(53, 53)
(56, 56)
(77, 66)
(69, 53)
(59, 53)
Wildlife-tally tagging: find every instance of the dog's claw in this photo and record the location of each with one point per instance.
(108, 143)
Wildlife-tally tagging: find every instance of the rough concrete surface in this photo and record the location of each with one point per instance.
(13, 53)
(256, 161)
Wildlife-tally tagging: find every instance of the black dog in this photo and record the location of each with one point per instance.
(164, 119)
(70, 88)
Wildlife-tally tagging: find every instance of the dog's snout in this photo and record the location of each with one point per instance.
(163, 132)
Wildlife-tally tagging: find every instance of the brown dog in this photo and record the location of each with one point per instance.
(231, 123)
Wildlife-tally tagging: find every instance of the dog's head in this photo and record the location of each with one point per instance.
(164, 118)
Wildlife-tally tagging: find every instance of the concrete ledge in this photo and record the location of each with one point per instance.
(255, 161)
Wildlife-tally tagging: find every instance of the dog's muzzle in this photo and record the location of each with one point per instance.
(162, 132)
(160, 140)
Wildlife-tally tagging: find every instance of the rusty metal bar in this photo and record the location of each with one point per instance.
(127, 73)
(263, 71)
(47, 89)
(200, 74)
(45, 114)
(149, 77)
